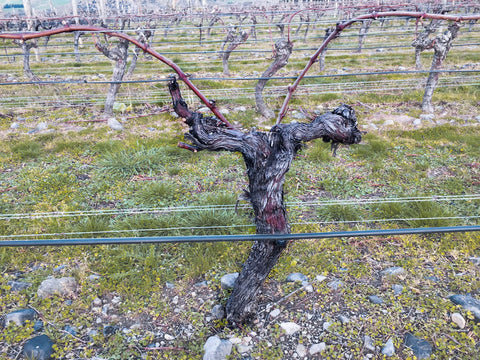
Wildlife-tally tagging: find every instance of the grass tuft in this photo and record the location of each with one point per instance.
(26, 150)
(213, 222)
(414, 214)
(319, 151)
(339, 213)
(126, 163)
(372, 147)
(157, 193)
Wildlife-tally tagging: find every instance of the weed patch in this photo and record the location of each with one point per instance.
(27, 150)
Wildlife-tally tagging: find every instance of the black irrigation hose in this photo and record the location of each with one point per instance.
(236, 238)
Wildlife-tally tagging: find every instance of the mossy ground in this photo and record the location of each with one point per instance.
(85, 167)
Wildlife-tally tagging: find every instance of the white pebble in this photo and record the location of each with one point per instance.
(317, 348)
(274, 313)
(290, 327)
(459, 320)
(301, 350)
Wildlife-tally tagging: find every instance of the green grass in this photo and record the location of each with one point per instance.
(372, 148)
(27, 150)
(126, 163)
(319, 151)
(414, 213)
(156, 193)
(94, 170)
(342, 213)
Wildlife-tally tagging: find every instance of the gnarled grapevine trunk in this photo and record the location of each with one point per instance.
(119, 54)
(26, 46)
(233, 39)
(422, 42)
(267, 156)
(441, 46)
(283, 50)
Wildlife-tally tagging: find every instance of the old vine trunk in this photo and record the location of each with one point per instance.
(26, 46)
(233, 39)
(283, 50)
(119, 54)
(267, 156)
(442, 45)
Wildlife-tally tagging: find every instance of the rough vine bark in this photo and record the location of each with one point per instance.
(362, 33)
(233, 39)
(423, 41)
(26, 45)
(283, 50)
(267, 156)
(143, 37)
(441, 46)
(119, 55)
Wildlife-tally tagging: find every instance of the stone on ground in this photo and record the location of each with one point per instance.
(65, 286)
(38, 348)
(422, 349)
(227, 281)
(468, 303)
(20, 317)
(216, 348)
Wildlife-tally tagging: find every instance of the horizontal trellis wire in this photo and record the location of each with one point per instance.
(155, 210)
(97, 97)
(237, 238)
(188, 209)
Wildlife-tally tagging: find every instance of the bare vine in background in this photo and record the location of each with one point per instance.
(441, 45)
(281, 54)
(423, 41)
(26, 46)
(342, 26)
(144, 36)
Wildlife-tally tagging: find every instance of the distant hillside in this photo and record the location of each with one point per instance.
(36, 5)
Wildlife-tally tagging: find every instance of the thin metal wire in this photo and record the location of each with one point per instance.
(236, 226)
(249, 78)
(293, 204)
(296, 50)
(149, 95)
(238, 238)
